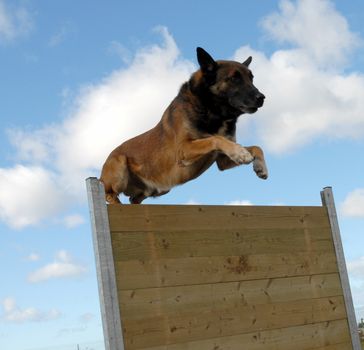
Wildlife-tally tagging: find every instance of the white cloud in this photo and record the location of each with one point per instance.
(28, 195)
(33, 257)
(9, 304)
(33, 146)
(12, 313)
(72, 221)
(127, 102)
(115, 47)
(60, 36)
(14, 22)
(87, 317)
(309, 96)
(62, 267)
(240, 202)
(193, 202)
(6, 26)
(315, 27)
(57, 38)
(71, 330)
(248, 202)
(85, 320)
(353, 205)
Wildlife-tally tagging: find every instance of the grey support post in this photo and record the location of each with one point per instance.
(328, 201)
(104, 265)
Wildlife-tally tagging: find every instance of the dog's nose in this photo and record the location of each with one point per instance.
(260, 99)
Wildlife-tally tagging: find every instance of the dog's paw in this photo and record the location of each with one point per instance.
(260, 169)
(241, 155)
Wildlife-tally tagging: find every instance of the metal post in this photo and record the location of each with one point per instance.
(110, 312)
(327, 198)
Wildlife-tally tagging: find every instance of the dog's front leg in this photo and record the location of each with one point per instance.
(225, 163)
(259, 165)
(192, 151)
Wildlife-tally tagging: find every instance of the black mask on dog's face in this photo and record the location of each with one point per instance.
(231, 82)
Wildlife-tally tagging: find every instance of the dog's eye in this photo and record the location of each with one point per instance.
(236, 77)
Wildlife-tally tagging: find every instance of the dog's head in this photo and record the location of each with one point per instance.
(230, 82)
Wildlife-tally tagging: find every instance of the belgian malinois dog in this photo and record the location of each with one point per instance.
(197, 129)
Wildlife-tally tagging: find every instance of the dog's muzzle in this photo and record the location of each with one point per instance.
(256, 101)
(259, 100)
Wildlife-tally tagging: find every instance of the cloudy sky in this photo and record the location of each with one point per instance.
(78, 80)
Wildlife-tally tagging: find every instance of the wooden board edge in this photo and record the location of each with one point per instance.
(105, 269)
(327, 199)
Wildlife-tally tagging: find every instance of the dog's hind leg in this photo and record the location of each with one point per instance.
(115, 177)
(112, 198)
(137, 199)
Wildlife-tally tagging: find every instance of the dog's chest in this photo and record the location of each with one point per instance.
(226, 129)
(214, 125)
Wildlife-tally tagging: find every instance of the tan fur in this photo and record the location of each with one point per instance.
(172, 153)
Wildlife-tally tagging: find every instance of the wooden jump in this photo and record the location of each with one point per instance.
(201, 277)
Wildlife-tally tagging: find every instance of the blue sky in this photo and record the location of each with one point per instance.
(78, 78)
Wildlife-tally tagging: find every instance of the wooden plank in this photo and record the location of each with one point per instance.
(218, 242)
(166, 217)
(332, 335)
(342, 346)
(109, 305)
(191, 326)
(135, 274)
(238, 344)
(149, 302)
(329, 203)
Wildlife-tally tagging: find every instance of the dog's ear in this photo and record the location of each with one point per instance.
(206, 62)
(248, 61)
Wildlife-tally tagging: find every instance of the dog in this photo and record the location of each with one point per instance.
(197, 130)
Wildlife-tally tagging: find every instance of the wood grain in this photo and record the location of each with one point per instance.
(135, 274)
(149, 302)
(332, 335)
(190, 325)
(149, 218)
(218, 242)
(227, 278)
